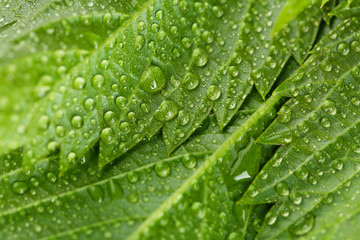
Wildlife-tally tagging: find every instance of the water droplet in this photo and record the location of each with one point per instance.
(303, 225)
(234, 236)
(270, 218)
(104, 64)
(284, 114)
(162, 169)
(98, 81)
(133, 198)
(166, 111)
(325, 122)
(125, 127)
(218, 12)
(213, 93)
(51, 177)
(76, 122)
(199, 57)
(120, 102)
(107, 135)
(71, 157)
(329, 107)
(328, 199)
(183, 117)
(153, 80)
(79, 83)
(139, 42)
(145, 108)
(44, 122)
(60, 131)
(190, 81)
(338, 164)
(52, 146)
(296, 198)
(110, 117)
(96, 193)
(133, 177)
(89, 104)
(20, 187)
(189, 161)
(207, 37)
(34, 181)
(302, 172)
(282, 189)
(343, 49)
(355, 46)
(256, 224)
(355, 101)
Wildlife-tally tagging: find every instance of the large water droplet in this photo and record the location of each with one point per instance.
(76, 122)
(199, 57)
(98, 81)
(190, 81)
(153, 80)
(166, 111)
(96, 193)
(107, 135)
(213, 93)
(303, 225)
(79, 83)
(20, 187)
(162, 169)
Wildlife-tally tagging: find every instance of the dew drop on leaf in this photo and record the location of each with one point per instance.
(79, 83)
(107, 135)
(153, 80)
(19, 187)
(270, 218)
(96, 193)
(343, 49)
(234, 236)
(199, 57)
(166, 111)
(97, 81)
(89, 104)
(213, 93)
(76, 122)
(189, 161)
(183, 117)
(51, 177)
(44, 122)
(355, 46)
(190, 81)
(303, 225)
(295, 198)
(282, 189)
(162, 169)
(133, 177)
(110, 117)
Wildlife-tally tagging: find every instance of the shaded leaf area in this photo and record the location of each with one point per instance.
(27, 17)
(40, 67)
(141, 195)
(318, 128)
(154, 71)
(346, 9)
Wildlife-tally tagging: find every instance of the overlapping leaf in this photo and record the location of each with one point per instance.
(144, 195)
(318, 130)
(155, 71)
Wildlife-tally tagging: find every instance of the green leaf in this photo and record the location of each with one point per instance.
(346, 9)
(141, 74)
(143, 195)
(318, 130)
